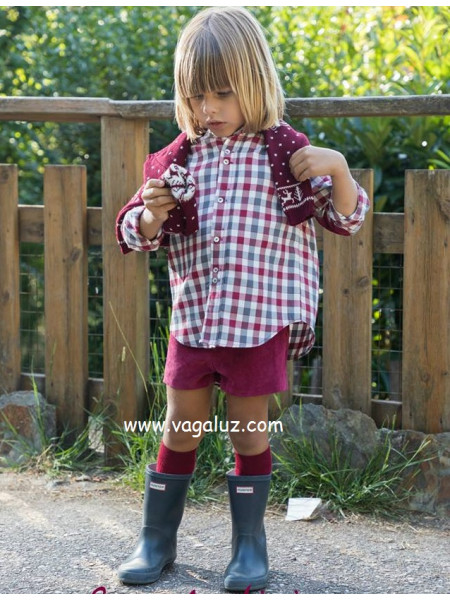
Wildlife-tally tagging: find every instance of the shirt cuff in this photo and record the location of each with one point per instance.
(323, 189)
(132, 235)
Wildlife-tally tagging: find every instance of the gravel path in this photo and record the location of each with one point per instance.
(69, 537)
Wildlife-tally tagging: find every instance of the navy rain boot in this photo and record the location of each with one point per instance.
(249, 564)
(164, 500)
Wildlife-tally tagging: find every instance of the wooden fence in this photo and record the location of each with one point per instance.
(67, 227)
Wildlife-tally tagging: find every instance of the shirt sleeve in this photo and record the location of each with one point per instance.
(132, 235)
(326, 213)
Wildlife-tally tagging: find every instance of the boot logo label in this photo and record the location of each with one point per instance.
(241, 489)
(158, 486)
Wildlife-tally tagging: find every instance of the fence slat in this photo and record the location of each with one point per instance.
(66, 367)
(125, 278)
(426, 302)
(347, 314)
(9, 280)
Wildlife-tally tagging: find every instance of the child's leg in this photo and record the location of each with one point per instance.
(252, 448)
(186, 411)
(186, 406)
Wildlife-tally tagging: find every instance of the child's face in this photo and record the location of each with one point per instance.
(218, 111)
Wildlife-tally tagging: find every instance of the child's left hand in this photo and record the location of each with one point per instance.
(312, 161)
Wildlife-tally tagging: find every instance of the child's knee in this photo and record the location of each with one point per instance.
(247, 441)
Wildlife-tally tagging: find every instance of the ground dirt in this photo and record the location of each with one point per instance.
(69, 536)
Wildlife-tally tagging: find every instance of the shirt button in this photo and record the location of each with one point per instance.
(220, 200)
(217, 239)
(227, 151)
(226, 162)
(214, 280)
(215, 270)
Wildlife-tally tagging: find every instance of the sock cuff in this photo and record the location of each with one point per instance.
(257, 464)
(175, 463)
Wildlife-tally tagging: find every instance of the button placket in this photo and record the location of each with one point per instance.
(218, 229)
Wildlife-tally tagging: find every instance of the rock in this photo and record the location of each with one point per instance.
(355, 432)
(431, 491)
(32, 418)
(443, 467)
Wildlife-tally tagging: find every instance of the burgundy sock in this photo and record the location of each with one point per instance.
(175, 463)
(258, 464)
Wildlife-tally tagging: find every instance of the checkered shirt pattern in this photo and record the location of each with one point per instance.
(246, 273)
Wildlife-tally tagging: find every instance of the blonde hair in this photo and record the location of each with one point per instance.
(221, 48)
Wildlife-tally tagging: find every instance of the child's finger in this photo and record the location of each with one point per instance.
(155, 193)
(154, 183)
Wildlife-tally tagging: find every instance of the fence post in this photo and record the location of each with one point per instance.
(347, 313)
(125, 278)
(426, 302)
(66, 315)
(9, 280)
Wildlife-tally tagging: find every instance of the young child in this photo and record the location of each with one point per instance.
(232, 198)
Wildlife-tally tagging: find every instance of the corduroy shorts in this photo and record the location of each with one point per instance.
(243, 372)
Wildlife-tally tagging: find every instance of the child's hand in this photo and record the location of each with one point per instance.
(158, 199)
(312, 161)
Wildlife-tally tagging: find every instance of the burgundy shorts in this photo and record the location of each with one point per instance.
(243, 372)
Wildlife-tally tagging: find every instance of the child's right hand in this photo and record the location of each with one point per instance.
(158, 200)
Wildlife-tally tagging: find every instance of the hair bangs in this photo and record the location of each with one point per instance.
(203, 68)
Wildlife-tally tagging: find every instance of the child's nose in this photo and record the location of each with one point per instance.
(209, 106)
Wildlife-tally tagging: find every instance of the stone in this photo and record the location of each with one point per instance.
(32, 418)
(443, 493)
(355, 432)
(431, 484)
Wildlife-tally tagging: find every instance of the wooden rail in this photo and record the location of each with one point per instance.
(81, 110)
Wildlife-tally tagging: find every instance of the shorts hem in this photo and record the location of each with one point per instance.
(174, 385)
(260, 392)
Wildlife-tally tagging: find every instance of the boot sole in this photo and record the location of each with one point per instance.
(142, 578)
(241, 586)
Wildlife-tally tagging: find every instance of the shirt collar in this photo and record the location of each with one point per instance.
(239, 135)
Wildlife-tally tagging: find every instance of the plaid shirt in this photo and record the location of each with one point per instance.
(246, 273)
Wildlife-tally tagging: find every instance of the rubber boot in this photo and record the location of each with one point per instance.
(249, 564)
(164, 500)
